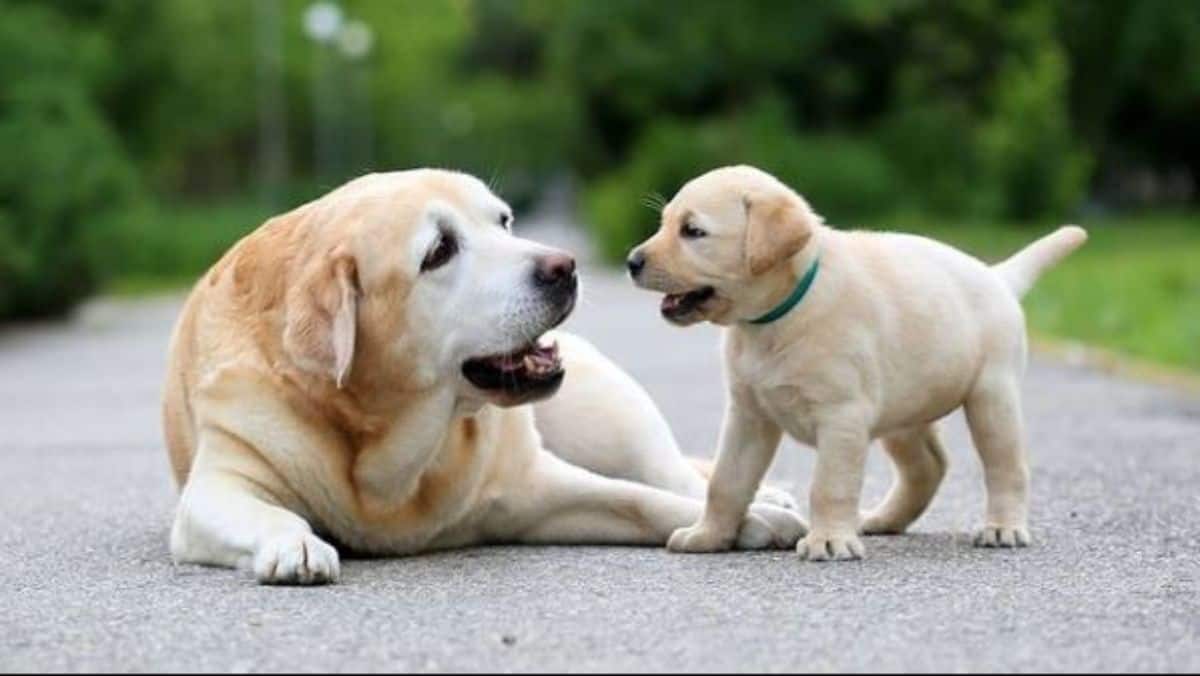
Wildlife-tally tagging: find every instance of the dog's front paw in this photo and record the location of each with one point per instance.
(769, 527)
(699, 539)
(778, 497)
(296, 559)
(831, 547)
(1007, 537)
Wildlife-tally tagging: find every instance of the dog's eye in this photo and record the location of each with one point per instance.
(505, 220)
(441, 253)
(689, 231)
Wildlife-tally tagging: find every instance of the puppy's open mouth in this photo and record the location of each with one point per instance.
(680, 306)
(533, 371)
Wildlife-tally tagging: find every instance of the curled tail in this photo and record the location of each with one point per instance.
(1024, 267)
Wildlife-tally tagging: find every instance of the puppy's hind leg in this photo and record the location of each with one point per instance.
(919, 460)
(994, 416)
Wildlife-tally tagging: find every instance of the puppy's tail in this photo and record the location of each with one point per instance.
(1023, 269)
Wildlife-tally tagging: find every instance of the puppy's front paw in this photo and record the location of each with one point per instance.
(1007, 537)
(768, 527)
(831, 547)
(699, 539)
(296, 559)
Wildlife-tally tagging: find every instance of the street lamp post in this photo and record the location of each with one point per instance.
(322, 22)
(342, 48)
(355, 42)
(272, 108)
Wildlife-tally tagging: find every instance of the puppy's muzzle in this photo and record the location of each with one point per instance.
(636, 263)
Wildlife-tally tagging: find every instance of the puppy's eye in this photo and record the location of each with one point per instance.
(505, 220)
(440, 253)
(689, 231)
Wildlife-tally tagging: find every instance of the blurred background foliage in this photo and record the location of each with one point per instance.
(143, 137)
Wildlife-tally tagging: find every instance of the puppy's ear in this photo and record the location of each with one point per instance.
(777, 227)
(322, 317)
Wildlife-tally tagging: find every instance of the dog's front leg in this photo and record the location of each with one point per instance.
(227, 519)
(748, 444)
(842, 442)
(559, 503)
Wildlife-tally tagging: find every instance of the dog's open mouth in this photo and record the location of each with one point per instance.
(533, 370)
(677, 306)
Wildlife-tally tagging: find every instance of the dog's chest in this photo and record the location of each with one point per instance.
(772, 385)
(417, 483)
(790, 409)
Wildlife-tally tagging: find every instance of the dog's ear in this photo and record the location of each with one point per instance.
(322, 317)
(777, 227)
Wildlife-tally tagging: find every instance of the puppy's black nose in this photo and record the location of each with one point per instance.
(554, 269)
(637, 261)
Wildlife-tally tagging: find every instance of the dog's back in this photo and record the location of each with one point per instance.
(178, 425)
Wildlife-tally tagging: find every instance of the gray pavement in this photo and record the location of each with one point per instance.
(1111, 584)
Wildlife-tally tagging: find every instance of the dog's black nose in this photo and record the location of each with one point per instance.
(637, 261)
(554, 269)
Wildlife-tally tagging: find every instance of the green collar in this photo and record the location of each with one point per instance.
(794, 299)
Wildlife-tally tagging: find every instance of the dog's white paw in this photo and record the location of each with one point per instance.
(831, 547)
(768, 527)
(296, 559)
(778, 497)
(1007, 537)
(699, 539)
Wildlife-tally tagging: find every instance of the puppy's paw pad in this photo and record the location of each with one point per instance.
(296, 559)
(777, 497)
(698, 539)
(1004, 537)
(831, 547)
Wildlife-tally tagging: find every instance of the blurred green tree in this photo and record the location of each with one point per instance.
(973, 109)
(1135, 83)
(65, 171)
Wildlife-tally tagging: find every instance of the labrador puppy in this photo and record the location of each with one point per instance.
(838, 338)
(359, 372)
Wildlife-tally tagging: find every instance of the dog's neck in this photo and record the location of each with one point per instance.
(774, 287)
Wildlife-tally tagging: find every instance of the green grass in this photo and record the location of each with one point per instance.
(1133, 288)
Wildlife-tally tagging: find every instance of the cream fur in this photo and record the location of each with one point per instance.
(314, 396)
(897, 332)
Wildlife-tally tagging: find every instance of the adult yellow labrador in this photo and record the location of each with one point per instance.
(359, 371)
(838, 338)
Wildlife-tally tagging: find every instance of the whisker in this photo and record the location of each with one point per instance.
(654, 201)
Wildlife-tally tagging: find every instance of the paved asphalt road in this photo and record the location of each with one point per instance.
(1112, 583)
